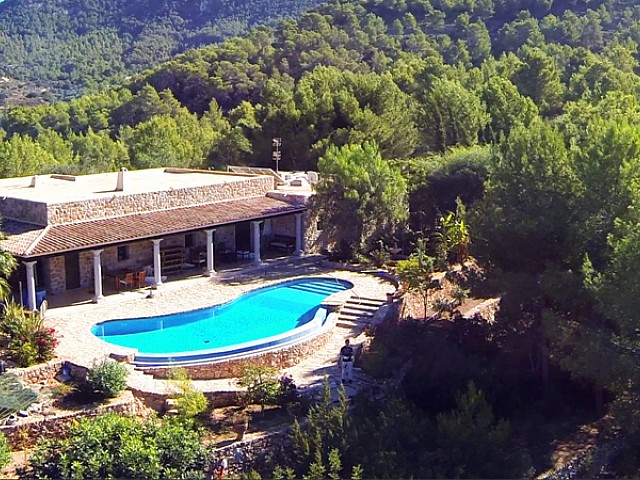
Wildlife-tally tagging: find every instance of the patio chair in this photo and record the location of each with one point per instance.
(140, 279)
(127, 281)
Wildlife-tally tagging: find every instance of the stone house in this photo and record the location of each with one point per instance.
(73, 232)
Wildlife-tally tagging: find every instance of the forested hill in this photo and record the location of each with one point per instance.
(405, 107)
(416, 76)
(65, 46)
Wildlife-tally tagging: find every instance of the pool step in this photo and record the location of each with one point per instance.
(358, 311)
(367, 300)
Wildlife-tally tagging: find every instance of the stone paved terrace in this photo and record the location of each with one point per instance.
(78, 345)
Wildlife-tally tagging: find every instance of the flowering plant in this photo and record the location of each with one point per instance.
(46, 343)
(29, 341)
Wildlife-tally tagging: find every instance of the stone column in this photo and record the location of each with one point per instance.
(97, 276)
(256, 242)
(31, 285)
(211, 271)
(157, 269)
(299, 234)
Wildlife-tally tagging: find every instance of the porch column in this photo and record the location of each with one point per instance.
(298, 234)
(157, 269)
(211, 271)
(97, 276)
(256, 242)
(31, 285)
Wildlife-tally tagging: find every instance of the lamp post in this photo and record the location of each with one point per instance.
(277, 143)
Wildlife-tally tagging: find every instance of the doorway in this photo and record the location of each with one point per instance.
(243, 236)
(72, 270)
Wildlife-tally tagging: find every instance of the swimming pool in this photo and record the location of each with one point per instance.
(268, 317)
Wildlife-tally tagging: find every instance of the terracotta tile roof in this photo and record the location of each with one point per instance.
(25, 240)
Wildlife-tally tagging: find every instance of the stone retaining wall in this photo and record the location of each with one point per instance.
(244, 455)
(28, 431)
(38, 373)
(157, 401)
(486, 309)
(279, 359)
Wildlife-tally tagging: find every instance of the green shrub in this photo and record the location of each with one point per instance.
(261, 383)
(190, 402)
(29, 341)
(116, 447)
(108, 378)
(5, 452)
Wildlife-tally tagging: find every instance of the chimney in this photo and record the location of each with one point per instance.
(120, 185)
(33, 181)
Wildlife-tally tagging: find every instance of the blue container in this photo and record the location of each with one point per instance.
(41, 294)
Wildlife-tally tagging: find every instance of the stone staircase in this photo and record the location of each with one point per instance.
(358, 311)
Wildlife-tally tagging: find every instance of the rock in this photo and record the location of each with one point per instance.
(35, 408)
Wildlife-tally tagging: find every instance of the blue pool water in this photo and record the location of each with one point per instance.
(261, 314)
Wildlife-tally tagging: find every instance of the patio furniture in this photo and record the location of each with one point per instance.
(244, 254)
(127, 281)
(283, 242)
(140, 279)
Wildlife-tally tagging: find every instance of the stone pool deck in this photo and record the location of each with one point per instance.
(80, 346)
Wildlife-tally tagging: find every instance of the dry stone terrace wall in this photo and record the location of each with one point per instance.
(279, 359)
(29, 431)
(123, 204)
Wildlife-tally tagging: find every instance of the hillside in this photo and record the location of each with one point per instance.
(505, 129)
(64, 47)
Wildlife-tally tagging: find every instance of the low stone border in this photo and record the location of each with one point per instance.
(29, 430)
(251, 453)
(37, 373)
(157, 401)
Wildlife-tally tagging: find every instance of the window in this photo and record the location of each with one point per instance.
(188, 240)
(123, 253)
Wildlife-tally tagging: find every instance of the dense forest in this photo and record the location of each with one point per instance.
(520, 117)
(61, 48)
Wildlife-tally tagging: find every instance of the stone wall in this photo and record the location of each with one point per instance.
(486, 309)
(284, 226)
(121, 203)
(140, 254)
(244, 455)
(86, 269)
(279, 359)
(57, 281)
(225, 235)
(27, 432)
(157, 401)
(24, 211)
(38, 373)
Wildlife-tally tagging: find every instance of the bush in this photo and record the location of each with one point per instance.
(261, 383)
(190, 402)
(5, 452)
(108, 378)
(29, 341)
(111, 446)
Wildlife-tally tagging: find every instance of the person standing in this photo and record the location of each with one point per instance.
(345, 360)
(221, 468)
